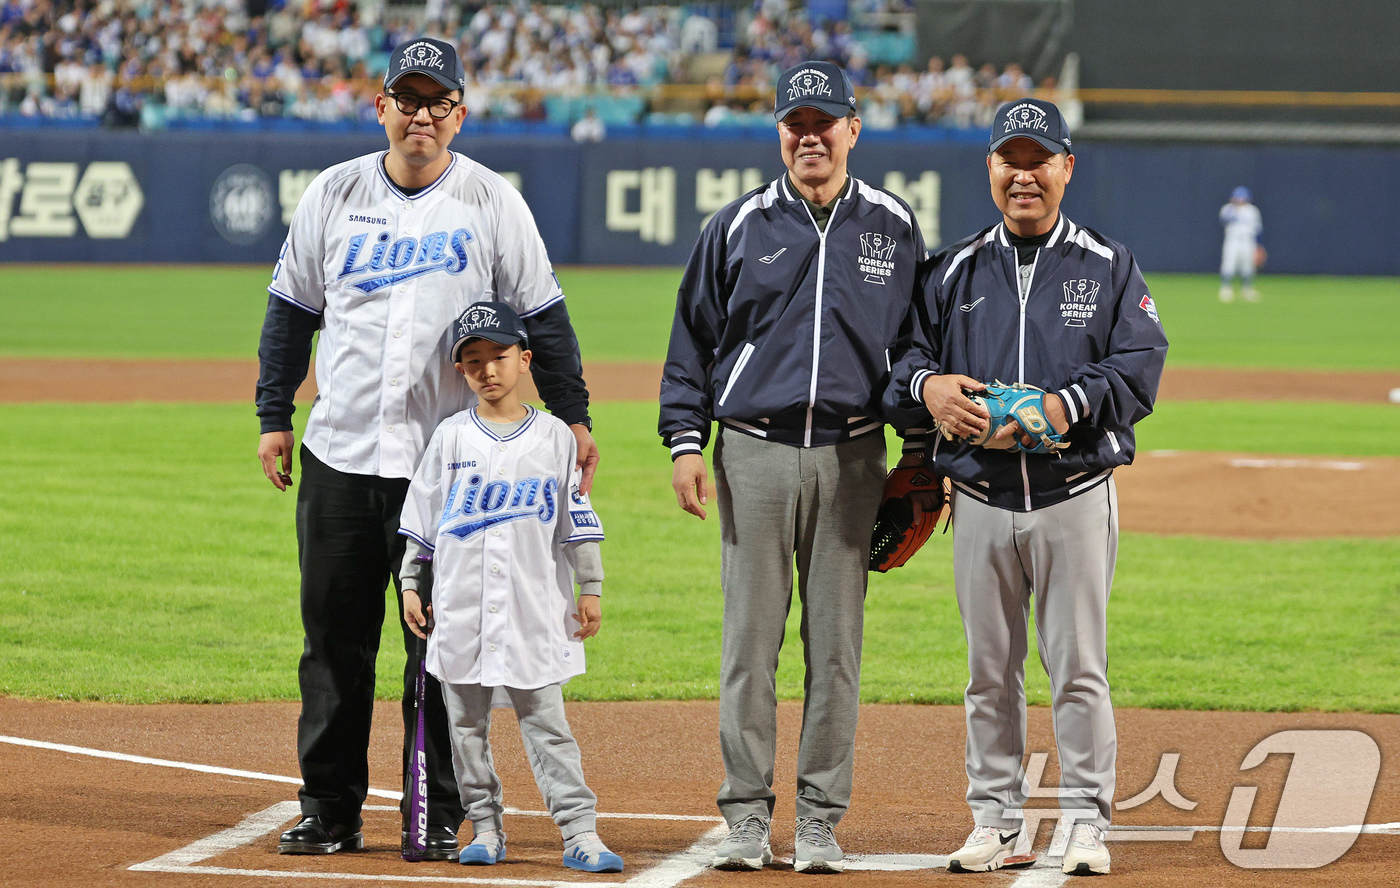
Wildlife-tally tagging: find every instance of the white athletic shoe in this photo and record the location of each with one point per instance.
(746, 847)
(986, 849)
(1086, 854)
(815, 850)
(1251, 294)
(1227, 294)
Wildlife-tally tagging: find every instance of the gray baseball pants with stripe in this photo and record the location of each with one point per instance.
(549, 744)
(818, 503)
(1063, 556)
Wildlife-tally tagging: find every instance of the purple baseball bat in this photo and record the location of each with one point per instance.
(416, 772)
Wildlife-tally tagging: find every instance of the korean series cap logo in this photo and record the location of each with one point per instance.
(478, 316)
(421, 55)
(1026, 117)
(809, 83)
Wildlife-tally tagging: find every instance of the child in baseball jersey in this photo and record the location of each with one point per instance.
(495, 506)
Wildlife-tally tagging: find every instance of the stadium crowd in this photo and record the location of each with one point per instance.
(143, 62)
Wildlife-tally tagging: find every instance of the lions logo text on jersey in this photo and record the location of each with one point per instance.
(480, 507)
(427, 255)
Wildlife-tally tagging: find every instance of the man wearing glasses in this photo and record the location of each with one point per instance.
(384, 251)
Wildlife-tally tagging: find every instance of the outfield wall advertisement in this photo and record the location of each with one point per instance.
(97, 196)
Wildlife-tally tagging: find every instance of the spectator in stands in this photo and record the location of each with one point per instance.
(1013, 83)
(934, 92)
(588, 128)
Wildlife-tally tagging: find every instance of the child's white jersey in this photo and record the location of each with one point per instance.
(496, 512)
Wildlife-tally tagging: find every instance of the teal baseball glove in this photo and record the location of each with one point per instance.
(1020, 403)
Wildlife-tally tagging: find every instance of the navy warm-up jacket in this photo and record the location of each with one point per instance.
(1087, 330)
(782, 331)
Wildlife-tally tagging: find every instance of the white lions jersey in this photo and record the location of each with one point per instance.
(496, 512)
(388, 274)
(1243, 223)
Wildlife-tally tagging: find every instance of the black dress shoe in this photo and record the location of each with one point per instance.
(316, 835)
(441, 843)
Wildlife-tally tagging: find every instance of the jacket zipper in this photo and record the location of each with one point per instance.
(817, 319)
(1023, 295)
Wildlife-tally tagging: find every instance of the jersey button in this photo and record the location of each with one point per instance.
(493, 608)
(501, 447)
(394, 381)
(495, 533)
(493, 647)
(495, 568)
(402, 288)
(398, 334)
(391, 428)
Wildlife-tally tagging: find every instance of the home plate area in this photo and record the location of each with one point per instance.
(100, 794)
(533, 858)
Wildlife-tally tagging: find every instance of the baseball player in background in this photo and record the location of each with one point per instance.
(496, 507)
(1241, 253)
(1034, 299)
(383, 252)
(791, 299)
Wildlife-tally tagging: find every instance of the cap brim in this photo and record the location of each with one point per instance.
(442, 79)
(1048, 144)
(500, 338)
(835, 109)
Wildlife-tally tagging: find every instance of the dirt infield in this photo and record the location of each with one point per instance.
(71, 819)
(63, 379)
(1208, 494)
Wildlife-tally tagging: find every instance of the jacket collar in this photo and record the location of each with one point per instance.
(1063, 231)
(789, 193)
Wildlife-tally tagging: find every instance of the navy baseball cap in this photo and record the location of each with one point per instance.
(426, 55)
(495, 321)
(1031, 119)
(1240, 193)
(819, 85)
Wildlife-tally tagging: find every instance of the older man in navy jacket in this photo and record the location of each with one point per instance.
(792, 298)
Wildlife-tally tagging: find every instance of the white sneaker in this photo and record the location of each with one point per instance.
(815, 850)
(986, 849)
(746, 847)
(1227, 294)
(1086, 854)
(1251, 294)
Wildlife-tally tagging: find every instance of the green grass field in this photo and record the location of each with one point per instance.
(625, 315)
(146, 559)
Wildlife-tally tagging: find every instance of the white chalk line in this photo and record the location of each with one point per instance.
(1337, 465)
(296, 781)
(669, 873)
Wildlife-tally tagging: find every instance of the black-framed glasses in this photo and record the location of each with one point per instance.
(438, 106)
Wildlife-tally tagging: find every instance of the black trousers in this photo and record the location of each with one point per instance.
(349, 549)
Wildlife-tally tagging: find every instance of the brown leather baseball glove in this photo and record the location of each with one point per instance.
(897, 535)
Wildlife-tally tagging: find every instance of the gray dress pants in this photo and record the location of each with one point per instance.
(817, 503)
(550, 746)
(1063, 556)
